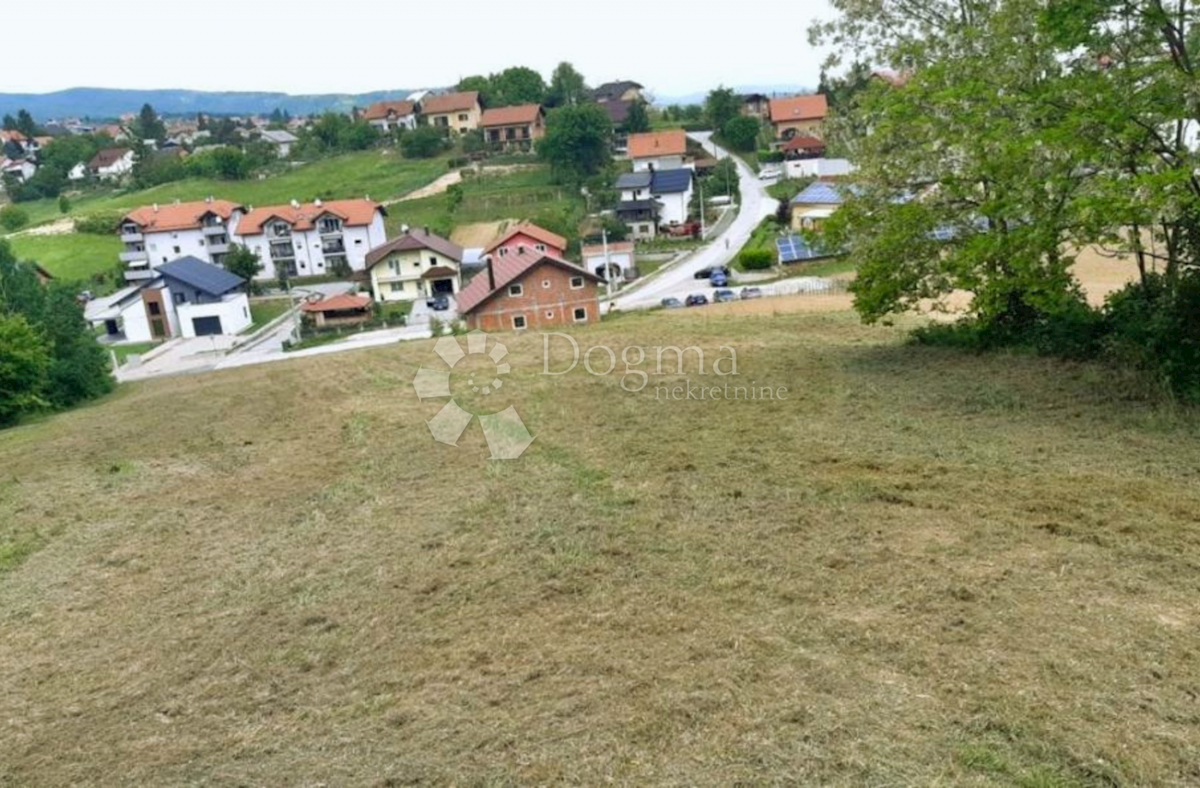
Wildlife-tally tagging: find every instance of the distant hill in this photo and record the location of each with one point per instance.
(768, 90)
(100, 103)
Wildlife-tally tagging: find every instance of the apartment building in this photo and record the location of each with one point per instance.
(157, 234)
(313, 239)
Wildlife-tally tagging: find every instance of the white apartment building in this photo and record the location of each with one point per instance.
(313, 239)
(157, 234)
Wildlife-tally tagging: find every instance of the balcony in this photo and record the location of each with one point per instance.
(218, 248)
(134, 256)
(331, 232)
(333, 247)
(213, 229)
(139, 274)
(132, 238)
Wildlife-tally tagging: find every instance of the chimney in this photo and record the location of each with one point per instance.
(295, 203)
(155, 206)
(426, 229)
(404, 228)
(491, 274)
(208, 199)
(317, 202)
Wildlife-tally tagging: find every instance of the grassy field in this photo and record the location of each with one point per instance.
(70, 256)
(920, 568)
(382, 174)
(264, 310)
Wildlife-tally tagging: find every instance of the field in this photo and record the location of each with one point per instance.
(69, 256)
(920, 568)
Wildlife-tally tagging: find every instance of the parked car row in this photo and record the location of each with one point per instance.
(720, 296)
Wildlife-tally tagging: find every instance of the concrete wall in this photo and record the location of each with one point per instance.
(234, 312)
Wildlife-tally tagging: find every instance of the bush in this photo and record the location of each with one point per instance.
(13, 218)
(423, 143)
(756, 259)
(770, 156)
(742, 133)
(64, 204)
(98, 223)
(1156, 328)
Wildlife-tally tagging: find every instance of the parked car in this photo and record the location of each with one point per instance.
(770, 173)
(438, 303)
(671, 303)
(706, 273)
(719, 279)
(697, 299)
(751, 292)
(723, 296)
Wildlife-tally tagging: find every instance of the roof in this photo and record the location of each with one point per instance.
(794, 249)
(346, 302)
(507, 269)
(614, 90)
(108, 157)
(382, 109)
(449, 102)
(634, 180)
(799, 108)
(511, 116)
(439, 272)
(180, 215)
(421, 239)
(206, 277)
(803, 142)
(533, 231)
(353, 213)
(819, 193)
(279, 137)
(671, 181)
(658, 143)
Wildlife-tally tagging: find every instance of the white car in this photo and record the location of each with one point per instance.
(770, 173)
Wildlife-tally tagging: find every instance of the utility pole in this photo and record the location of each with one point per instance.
(703, 231)
(607, 268)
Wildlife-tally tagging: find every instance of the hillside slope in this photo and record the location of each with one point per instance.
(919, 568)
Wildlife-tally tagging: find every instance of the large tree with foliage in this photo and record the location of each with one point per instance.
(24, 368)
(148, 125)
(741, 133)
(243, 261)
(578, 142)
(567, 87)
(721, 106)
(517, 85)
(638, 119)
(477, 83)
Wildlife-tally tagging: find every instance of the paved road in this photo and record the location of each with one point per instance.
(679, 281)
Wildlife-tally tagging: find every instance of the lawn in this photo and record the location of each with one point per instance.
(69, 256)
(921, 567)
(264, 310)
(123, 352)
(381, 174)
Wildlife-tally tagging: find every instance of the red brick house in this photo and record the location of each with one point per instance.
(529, 289)
(529, 237)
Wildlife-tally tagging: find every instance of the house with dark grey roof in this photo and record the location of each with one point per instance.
(673, 190)
(624, 90)
(186, 297)
(416, 265)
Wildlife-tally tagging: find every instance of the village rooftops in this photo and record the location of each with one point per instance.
(385, 109)
(180, 215)
(415, 240)
(449, 102)
(511, 116)
(799, 108)
(657, 143)
(508, 269)
(205, 277)
(552, 240)
(301, 217)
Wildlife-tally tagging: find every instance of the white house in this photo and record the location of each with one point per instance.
(819, 168)
(184, 298)
(21, 169)
(282, 140)
(155, 234)
(658, 150)
(672, 189)
(111, 163)
(78, 172)
(389, 115)
(315, 238)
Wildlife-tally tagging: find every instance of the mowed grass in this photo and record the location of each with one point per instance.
(382, 174)
(920, 568)
(69, 256)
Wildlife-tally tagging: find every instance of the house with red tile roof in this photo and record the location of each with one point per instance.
(514, 128)
(527, 236)
(460, 112)
(313, 239)
(415, 265)
(389, 115)
(528, 289)
(798, 115)
(157, 234)
(338, 310)
(658, 150)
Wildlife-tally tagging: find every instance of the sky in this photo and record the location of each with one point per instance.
(355, 46)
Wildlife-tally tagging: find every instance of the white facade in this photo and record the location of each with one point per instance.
(78, 172)
(118, 168)
(312, 250)
(144, 251)
(819, 168)
(408, 121)
(659, 163)
(233, 311)
(674, 207)
(22, 170)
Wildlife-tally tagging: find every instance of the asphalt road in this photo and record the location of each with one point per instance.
(680, 281)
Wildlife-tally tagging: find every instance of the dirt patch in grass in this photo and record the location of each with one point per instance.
(920, 568)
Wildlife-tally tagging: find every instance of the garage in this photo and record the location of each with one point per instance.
(206, 326)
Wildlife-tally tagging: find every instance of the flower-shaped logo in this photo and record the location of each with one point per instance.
(506, 434)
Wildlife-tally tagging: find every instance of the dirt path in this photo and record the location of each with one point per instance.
(441, 184)
(61, 226)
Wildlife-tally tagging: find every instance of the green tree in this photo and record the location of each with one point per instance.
(9, 123)
(721, 106)
(13, 218)
(578, 142)
(424, 142)
(25, 124)
(473, 141)
(24, 368)
(79, 365)
(567, 87)
(243, 261)
(742, 133)
(64, 204)
(517, 85)
(638, 120)
(148, 125)
(478, 84)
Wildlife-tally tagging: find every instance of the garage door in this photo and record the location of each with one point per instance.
(206, 326)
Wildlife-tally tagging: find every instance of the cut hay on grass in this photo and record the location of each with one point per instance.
(921, 568)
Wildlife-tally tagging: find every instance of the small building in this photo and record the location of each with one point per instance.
(339, 310)
(111, 163)
(614, 262)
(281, 140)
(415, 265)
(812, 207)
(514, 127)
(391, 115)
(458, 112)
(527, 237)
(658, 150)
(530, 289)
(641, 217)
(622, 90)
(799, 115)
(22, 169)
(756, 105)
(802, 146)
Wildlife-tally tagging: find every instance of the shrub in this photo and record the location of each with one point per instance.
(756, 259)
(1156, 328)
(741, 133)
(13, 218)
(64, 204)
(770, 156)
(98, 223)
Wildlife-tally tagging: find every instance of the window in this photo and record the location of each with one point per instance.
(397, 287)
(245, 312)
(155, 309)
(176, 250)
(516, 290)
(540, 247)
(432, 261)
(576, 282)
(549, 314)
(463, 118)
(394, 266)
(545, 284)
(358, 242)
(518, 321)
(503, 251)
(180, 298)
(201, 242)
(580, 315)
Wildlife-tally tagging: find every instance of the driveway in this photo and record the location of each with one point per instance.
(679, 281)
(421, 314)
